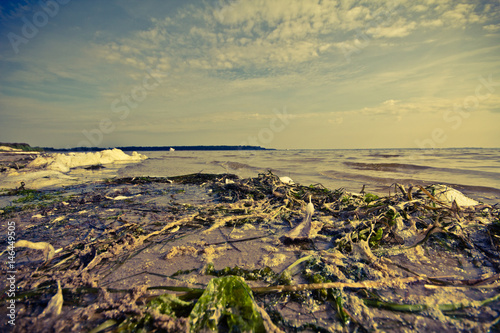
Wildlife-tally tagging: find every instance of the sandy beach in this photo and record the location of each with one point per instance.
(363, 263)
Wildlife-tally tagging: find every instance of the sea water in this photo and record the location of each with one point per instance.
(474, 171)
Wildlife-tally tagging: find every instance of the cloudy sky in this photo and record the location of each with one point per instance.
(273, 73)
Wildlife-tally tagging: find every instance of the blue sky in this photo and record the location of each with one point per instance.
(275, 73)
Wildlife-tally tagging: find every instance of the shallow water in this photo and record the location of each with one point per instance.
(475, 172)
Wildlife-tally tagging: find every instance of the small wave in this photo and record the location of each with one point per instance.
(365, 178)
(305, 159)
(238, 165)
(476, 189)
(483, 154)
(430, 171)
(232, 165)
(178, 157)
(387, 167)
(384, 155)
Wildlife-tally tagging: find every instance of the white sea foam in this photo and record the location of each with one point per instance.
(448, 194)
(64, 162)
(54, 169)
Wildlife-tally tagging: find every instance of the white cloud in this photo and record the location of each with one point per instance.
(336, 121)
(432, 23)
(461, 15)
(281, 33)
(492, 27)
(400, 28)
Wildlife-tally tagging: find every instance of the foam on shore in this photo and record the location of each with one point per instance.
(447, 194)
(53, 169)
(64, 162)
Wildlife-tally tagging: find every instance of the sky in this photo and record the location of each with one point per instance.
(285, 74)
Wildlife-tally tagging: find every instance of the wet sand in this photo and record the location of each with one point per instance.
(120, 243)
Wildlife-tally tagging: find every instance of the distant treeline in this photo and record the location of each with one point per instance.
(157, 148)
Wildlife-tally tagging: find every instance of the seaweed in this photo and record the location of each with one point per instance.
(147, 262)
(263, 274)
(155, 313)
(226, 303)
(33, 195)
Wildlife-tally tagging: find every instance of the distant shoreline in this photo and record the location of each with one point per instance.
(157, 148)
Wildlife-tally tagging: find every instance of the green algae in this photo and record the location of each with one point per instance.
(263, 274)
(228, 303)
(166, 304)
